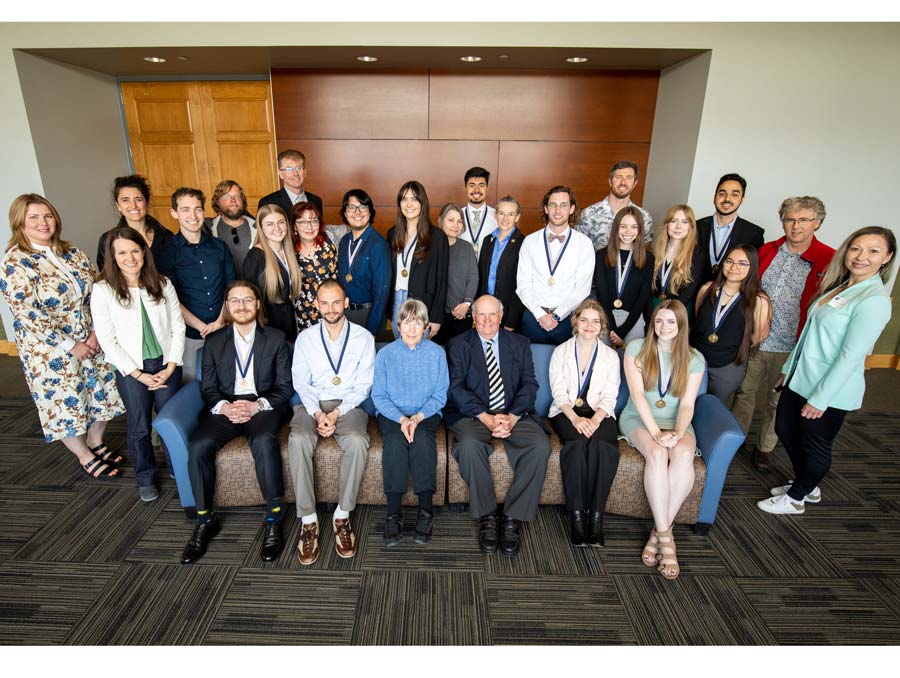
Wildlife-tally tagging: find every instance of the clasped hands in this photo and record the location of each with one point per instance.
(586, 426)
(240, 411)
(500, 425)
(668, 439)
(87, 348)
(408, 425)
(326, 424)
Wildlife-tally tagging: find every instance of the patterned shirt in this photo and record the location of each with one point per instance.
(784, 281)
(323, 265)
(596, 222)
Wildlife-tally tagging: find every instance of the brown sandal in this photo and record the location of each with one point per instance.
(668, 563)
(650, 554)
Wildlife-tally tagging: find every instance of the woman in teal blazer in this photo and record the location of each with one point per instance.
(823, 377)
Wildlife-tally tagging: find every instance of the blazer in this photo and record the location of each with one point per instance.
(505, 287)
(469, 392)
(120, 330)
(603, 388)
(271, 367)
(828, 362)
(280, 315)
(427, 279)
(635, 295)
(688, 292)
(744, 233)
(283, 200)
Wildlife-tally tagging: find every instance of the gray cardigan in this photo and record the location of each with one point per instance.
(462, 275)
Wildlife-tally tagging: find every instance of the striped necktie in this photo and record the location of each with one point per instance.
(495, 379)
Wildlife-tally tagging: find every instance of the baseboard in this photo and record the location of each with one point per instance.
(8, 348)
(883, 361)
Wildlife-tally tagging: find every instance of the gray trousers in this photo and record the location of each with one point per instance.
(725, 380)
(189, 367)
(353, 438)
(527, 449)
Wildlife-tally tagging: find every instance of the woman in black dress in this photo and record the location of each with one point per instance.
(678, 261)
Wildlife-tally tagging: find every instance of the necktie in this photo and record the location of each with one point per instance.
(476, 219)
(495, 379)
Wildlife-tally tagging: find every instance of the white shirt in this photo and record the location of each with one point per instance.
(571, 278)
(489, 225)
(242, 348)
(294, 197)
(401, 282)
(313, 376)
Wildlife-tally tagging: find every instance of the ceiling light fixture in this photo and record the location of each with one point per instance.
(183, 58)
(367, 59)
(503, 56)
(470, 59)
(577, 60)
(155, 60)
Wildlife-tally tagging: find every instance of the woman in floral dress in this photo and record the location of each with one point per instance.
(317, 258)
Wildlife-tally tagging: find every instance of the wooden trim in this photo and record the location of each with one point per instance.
(883, 361)
(8, 348)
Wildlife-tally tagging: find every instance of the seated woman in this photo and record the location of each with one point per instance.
(409, 391)
(678, 261)
(733, 315)
(272, 265)
(462, 276)
(663, 375)
(140, 328)
(584, 380)
(316, 256)
(131, 196)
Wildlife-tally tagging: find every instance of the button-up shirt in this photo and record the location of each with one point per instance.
(596, 222)
(487, 219)
(370, 274)
(784, 281)
(719, 234)
(499, 246)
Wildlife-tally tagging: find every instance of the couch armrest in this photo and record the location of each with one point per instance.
(175, 423)
(718, 436)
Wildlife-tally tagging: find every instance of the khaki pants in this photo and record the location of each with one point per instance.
(763, 370)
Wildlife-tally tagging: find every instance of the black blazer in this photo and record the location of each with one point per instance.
(283, 200)
(427, 279)
(688, 292)
(505, 287)
(469, 391)
(744, 233)
(271, 367)
(635, 295)
(279, 315)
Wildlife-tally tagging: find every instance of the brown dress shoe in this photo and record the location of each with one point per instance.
(762, 460)
(308, 548)
(344, 538)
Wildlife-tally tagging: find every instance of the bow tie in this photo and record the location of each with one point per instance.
(561, 238)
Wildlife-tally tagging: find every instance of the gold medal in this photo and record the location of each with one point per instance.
(662, 296)
(475, 249)
(404, 273)
(617, 303)
(713, 338)
(578, 402)
(242, 384)
(660, 403)
(348, 277)
(551, 282)
(336, 381)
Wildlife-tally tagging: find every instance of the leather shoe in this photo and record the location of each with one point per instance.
(273, 542)
(595, 530)
(308, 547)
(196, 546)
(762, 460)
(344, 538)
(487, 534)
(510, 537)
(393, 529)
(578, 528)
(424, 522)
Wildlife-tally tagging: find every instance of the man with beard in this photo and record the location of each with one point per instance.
(479, 219)
(333, 368)
(596, 220)
(725, 229)
(232, 225)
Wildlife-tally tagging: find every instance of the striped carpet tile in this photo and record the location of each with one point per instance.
(887, 591)
(25, 511)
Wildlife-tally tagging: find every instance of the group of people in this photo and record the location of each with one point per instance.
(283, 305)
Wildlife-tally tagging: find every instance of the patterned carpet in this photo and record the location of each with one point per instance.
(85, 562)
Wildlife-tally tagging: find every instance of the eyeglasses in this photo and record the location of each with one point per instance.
(353, 209)
(739, 264)
(802, 221)
(241, 301)
(560, 205)
(507, 215)
(292, 170)
(307, 222)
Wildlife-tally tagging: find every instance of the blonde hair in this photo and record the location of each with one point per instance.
(17, 212)
(681, 266)
(588, 305)
(647, 358)
(837, 273)
(273, 282)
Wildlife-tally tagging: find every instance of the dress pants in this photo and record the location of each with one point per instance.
(399, 456)
(527, 449)
(724, 381)
(214, 431)
(353, 439)
(588, 465)
(808, 441)
(763, 370)
(538, 335)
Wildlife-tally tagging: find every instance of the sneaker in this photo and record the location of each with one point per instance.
(393, 529)
(424, 523)
(308, 548)
(813, 497)
(782, 504)
(344, 538)
(148, 493)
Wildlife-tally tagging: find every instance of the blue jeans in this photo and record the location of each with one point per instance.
(538, 335)
(399, 297)
(139, 402)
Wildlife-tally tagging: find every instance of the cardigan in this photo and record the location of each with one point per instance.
(564, 375)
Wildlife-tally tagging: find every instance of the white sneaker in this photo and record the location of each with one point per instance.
(782, 504)
(813, 497)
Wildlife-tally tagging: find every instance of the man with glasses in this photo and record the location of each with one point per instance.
(292, 172)
(232, 224)
(790, 269)
(596, 220)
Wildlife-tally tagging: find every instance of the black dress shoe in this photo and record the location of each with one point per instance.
(393, 529)
(196, 546)
(595, 530)
(578, 528)
(424, 524)
(487, 534)
(273, 543)
(509, 536)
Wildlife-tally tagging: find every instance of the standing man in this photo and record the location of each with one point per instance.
(334, 363)
(492, 393)
(479, 220)
(232, 225)
(498, 263)
(292, 172)
(596, 220)
(556, 266)
(716, 234)
(246, 390)
(200, 267)
(790, 269)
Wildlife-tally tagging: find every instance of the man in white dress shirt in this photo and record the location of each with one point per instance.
(556, 265)
(334, 363)
(479, 218)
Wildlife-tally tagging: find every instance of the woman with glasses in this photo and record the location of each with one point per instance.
(317, 258)
(462, 276)
(677, 260)
(733, 316)
(131, 196)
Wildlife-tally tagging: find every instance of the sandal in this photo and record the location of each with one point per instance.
(106, 455)
(650, 554)
(668, 563)
(101, 470)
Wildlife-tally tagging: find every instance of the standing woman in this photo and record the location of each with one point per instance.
(47, 284)
(272, 265)
(462, 276)
(141, 330)
(317, 258)
(420, 258)
(131, 196)
(663, 374)
(678, 262)
(824, 376)
(584, 380)
(733, 315)
(623, 277)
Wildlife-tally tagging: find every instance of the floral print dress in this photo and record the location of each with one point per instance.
(50, 307)
(322, 266)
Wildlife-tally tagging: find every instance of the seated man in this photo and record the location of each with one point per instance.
(246, 387)
(492, 394)
(334, 361)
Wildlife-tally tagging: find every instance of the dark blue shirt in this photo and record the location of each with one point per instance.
(370, 276)
(199, 273)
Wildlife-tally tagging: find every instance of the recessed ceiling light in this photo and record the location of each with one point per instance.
(367, 59)
(503, 56)
(155, 60)
(183, 58)
(577, 60)
(470, 59)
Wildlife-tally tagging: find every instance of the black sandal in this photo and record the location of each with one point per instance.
(106, 455)
(100, 470)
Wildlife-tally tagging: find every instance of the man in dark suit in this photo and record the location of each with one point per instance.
(292, 172)
(730, 229)
(499, 261)
(246, 389)
(492, 394)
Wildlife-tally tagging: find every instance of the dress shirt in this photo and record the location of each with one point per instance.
(487, 220)
(371, 274)
(312, 374)
(596, 222)
(719, 235)
(495, 346)
(603, 389)
(499, 246)
(402, 282)
(242, 348)
(572, 278)
(295, 198)
(408, 380)
(783, 281)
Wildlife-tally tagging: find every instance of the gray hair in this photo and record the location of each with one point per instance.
(413, 309)
(806, 202)
(509, 198)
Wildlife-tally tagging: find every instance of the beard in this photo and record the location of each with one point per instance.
(232, 213)
(619, 195)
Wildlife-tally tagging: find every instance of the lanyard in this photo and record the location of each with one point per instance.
(337, 380)
(665, 270)
(719, 313)
(352, 250)
(284, 266)
(405, 255)
(719, 253)
(583, 382)
(243, 369)
(622, 272)
(662, 393)
(550, 266)
(475, 236)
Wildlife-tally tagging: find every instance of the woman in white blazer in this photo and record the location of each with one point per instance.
(138, 322)
(584, 380)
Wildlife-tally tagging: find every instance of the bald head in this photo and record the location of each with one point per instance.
(488, 313)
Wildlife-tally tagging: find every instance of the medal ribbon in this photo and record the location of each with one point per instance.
(337, 368)
(719, 313)
(622, 273)
(665, 273)
(718, 254)
(243, 369)
(662, 393)
(583, 382)
(550, 266)
(352, 251)
(475, 236)
(405, 255)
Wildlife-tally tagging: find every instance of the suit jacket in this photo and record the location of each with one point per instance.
(271, 367)
(427, 279)
(283, 200)
(635, 295)
(505, 287)
(469, 393)
(744, 233)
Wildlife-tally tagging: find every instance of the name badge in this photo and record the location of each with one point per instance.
(838, 302)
